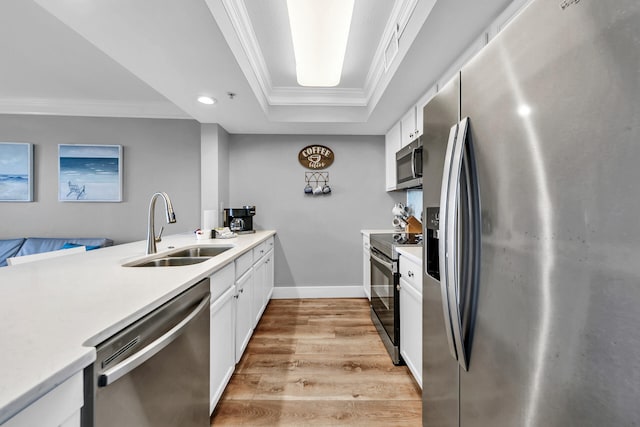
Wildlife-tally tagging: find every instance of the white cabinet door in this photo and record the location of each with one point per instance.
(411, 315)
(411, 329)
(259, 279)
(222, 344)
(244, 317)
(269, 277)
(366, 266)
(58, 408)
(409, 127)
(391, 147)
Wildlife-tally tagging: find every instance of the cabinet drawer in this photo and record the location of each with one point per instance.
(259, 251)
(222, 280)
(269, 243)
(411, 272)
(243, 263)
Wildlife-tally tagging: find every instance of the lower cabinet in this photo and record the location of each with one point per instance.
(411, 317)
(239, 294)
(244, 312)
(269, 277)
(223, 337)
(58, 408)
(262, 285)
(258, 305)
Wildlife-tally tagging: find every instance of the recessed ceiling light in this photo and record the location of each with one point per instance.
(206, 100)
(320, 30)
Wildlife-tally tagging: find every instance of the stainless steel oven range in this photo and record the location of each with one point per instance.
(385, 276)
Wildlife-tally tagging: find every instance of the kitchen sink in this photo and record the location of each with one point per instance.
(170, 262)
(200, 251)
(186, 256)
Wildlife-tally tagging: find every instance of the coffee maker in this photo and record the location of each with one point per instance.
(240, 220)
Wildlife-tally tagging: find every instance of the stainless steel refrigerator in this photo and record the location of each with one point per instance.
(532, 154)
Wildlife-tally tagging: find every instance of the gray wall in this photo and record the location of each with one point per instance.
(318, 241)
(214, 161)
(158, 155)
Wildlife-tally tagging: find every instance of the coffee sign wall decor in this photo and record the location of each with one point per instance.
(315, 157)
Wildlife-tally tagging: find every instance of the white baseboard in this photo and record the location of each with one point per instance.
(297, 292)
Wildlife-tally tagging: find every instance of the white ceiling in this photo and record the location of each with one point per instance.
(143, 58)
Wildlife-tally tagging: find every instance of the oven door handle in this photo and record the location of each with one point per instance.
(137, 359)
(379, 260)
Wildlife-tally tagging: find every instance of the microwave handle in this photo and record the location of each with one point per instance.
(413, 163)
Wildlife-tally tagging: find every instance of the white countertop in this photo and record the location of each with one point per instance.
(370, 232)
(414, 253)
(52, 312)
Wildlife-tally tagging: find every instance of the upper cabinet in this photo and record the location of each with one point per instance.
(409, 126)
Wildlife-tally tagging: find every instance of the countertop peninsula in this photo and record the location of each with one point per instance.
(53, 311)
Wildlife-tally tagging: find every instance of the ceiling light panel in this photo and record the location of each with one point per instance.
(320, 30)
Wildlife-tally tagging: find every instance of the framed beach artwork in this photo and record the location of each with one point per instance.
(16, 172)
(89, 173)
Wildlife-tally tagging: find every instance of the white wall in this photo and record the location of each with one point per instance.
(158, 155)
(318, 241)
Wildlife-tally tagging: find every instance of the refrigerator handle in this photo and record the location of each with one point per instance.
(452, 253)
(445, 272)
(463, 240)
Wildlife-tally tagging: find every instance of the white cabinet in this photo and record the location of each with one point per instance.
(223, 337)
(257, 305)
(58, 408)
(391, 146)
(366, 266)
(254, 287)
(409, 126)
(269, 277)
(411, 316)
(244, 313)
(262, 278)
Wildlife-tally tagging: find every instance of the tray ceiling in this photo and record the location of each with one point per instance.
(153, 59)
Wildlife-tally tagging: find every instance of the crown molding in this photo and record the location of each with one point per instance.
(241, 23)
(90, 108)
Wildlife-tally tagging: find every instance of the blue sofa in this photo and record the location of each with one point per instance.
(35, 245)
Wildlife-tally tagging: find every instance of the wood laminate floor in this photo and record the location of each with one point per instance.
(318, 362)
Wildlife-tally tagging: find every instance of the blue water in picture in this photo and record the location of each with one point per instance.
(14, 187)
(88, 178)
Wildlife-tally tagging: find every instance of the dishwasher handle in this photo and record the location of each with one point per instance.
(137, 359)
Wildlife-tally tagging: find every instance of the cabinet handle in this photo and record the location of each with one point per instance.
(410, 273)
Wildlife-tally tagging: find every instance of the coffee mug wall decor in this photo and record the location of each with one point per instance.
(317, 183)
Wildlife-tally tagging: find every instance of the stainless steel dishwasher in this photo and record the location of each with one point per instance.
(156, 371)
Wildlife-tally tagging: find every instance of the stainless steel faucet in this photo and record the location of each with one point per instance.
(151, 232)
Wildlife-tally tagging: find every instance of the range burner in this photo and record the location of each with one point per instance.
(407, 238)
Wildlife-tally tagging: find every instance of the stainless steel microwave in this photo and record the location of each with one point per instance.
(409, 165)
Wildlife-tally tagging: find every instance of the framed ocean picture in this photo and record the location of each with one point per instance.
(89, 173)
(16, 172)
